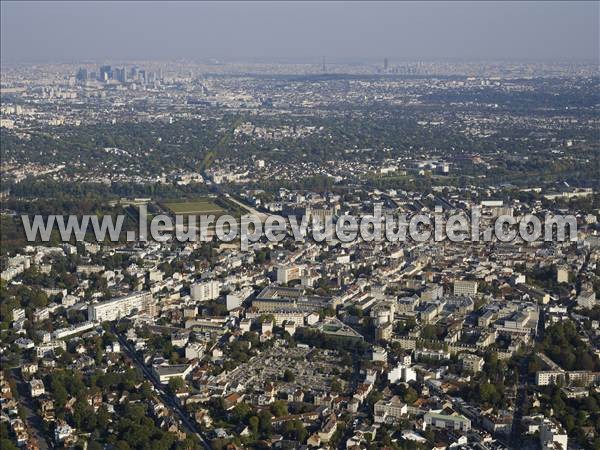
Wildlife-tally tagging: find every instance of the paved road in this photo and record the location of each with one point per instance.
(262, 216)
(34, 421)
(522, 390)
(171, 401)
(519, 404)
(220, 191)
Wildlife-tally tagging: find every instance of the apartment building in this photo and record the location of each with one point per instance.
(285, 274)
(587, 299)
(119, 307)
(392, 410)
(472, 363)
(205, 291)
(547, 377)
(464, 287)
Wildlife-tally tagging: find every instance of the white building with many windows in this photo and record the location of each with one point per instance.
(205, 291)
(390, 411)
(119, 307)
(285, 274)
(587, 299)
(464, 287)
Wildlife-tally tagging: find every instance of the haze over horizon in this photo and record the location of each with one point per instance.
(66, 32)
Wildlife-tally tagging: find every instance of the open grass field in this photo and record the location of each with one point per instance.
(201, 206)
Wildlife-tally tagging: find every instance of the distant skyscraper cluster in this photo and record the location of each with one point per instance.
(409, 68)
(121, 74)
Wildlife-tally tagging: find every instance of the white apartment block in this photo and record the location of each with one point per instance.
(390, 410)
(587, 299)
(88, 269)
(285, 274)
(18, 314)
(16, 266)
(235, 299)
(195, 350)
(42, 350)
(205, 291)
(463, 287)
(472, 363)
(74, 329)
(403, 373)
(119, 307)
(379, 354)
(547, 377)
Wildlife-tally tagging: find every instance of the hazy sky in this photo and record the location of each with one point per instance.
(68, 31)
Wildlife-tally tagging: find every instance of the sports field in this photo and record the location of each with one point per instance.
(201, 206)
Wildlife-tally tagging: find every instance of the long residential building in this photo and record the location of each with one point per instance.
(74, 329)
(119, 307)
